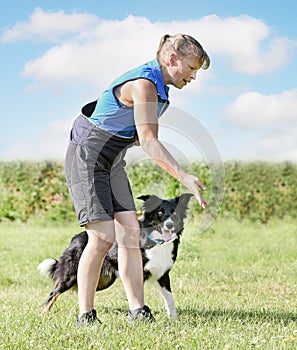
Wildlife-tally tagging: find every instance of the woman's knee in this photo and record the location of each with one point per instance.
(129, 238)
(101, 235)
(127, 230)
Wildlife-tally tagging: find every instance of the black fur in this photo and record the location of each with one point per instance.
(161, 227)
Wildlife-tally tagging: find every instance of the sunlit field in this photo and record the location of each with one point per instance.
(235, 287)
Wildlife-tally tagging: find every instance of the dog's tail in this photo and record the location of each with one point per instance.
(48, 267)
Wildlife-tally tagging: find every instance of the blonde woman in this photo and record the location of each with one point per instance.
(127, 112)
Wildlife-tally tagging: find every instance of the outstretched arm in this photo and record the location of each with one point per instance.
(144, 96)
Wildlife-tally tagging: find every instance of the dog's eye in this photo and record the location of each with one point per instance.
(160, 214)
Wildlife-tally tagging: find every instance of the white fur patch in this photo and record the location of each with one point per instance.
(169, 302)
(45, 266)
(155, 235)
(160, 260)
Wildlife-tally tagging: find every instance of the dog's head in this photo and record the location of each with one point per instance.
(164, 216)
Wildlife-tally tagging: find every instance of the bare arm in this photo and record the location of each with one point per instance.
(144, 96)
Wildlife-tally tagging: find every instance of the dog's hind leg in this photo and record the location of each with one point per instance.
(60, 287)
(165, 292)
(50, 301)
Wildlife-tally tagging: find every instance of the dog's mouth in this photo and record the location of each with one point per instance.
(167, 235)
(164, 237)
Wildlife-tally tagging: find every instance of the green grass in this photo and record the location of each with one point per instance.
(234, 287)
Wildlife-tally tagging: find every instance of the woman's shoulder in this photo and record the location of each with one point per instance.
(146, 70)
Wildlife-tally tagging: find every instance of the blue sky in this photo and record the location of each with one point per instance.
(58, 55)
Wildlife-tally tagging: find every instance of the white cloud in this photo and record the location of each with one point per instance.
(86, 49)
(254, 110)
(277, 145)
(49, 26)
(94, 50)
(284, 140)
(246, 43)
(50, 144)
(98, 55)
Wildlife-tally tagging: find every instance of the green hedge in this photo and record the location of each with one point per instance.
(33, 188)
(257, 191)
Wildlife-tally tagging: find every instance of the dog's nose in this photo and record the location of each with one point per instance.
(169, 225)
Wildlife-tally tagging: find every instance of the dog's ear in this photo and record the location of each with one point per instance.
(150, 202)
(184, 199)
(144, 197)
(182, 204)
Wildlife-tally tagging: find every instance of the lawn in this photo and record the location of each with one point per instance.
(235, 287)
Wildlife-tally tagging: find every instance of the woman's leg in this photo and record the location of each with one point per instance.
(101, 237)
(129, 257)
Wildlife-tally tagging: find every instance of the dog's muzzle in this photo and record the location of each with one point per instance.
(164, 234)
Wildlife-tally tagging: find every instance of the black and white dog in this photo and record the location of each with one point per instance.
(161, 226)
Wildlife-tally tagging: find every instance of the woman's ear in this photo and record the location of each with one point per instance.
(172, 59)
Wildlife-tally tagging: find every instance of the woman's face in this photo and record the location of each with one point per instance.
(182, 70)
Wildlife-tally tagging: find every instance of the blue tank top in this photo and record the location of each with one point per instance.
(113, 116)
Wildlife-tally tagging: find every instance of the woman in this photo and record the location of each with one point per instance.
(126, 112)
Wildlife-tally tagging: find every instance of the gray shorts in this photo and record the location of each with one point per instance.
(95, 174)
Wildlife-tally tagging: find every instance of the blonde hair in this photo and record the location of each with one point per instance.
(183, 45)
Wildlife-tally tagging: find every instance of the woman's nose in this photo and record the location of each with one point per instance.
(193, 75)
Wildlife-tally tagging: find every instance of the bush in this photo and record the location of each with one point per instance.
(33, 188)
(257, 190)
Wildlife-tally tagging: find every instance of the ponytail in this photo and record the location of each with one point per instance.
(162, 43)
(183, 45)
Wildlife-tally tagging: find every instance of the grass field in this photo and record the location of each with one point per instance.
(235, 287)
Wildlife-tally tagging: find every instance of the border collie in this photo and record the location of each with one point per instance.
(161, 226)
